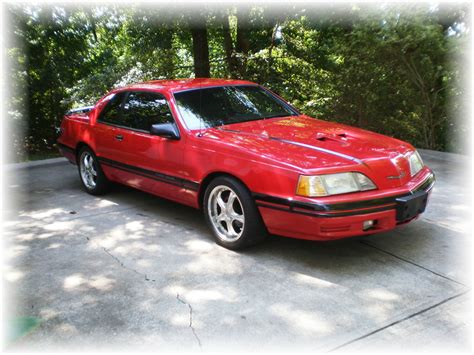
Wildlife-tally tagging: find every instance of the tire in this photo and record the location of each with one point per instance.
(90, 173)
(235, 224)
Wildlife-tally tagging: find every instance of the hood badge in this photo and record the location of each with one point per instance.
(402, 175)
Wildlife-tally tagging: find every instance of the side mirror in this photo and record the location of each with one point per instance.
(165, 130)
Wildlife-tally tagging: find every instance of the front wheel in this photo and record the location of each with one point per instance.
(232, 214)
(92, 177)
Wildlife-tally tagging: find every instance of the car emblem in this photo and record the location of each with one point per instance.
(398, 164)
(402, 175)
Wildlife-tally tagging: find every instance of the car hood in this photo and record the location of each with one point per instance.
(310, 143)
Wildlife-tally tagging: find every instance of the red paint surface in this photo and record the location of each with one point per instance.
(264, 165)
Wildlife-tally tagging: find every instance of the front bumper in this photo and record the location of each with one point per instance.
(316, 221)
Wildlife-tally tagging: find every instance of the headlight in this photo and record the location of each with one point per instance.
(333, 184)
(416, 164)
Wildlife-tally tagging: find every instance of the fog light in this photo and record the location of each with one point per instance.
(366, 225)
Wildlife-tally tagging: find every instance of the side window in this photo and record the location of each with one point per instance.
(111, 112)
(141, 110)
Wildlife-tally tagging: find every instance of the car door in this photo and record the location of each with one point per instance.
(106, 136)
(139, 159)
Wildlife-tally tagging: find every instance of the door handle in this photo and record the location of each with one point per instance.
(119, 137)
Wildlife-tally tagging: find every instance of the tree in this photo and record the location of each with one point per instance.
(228, 44)
(200, 46)
(395, 70)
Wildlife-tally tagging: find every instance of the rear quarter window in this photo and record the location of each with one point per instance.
(111, 112)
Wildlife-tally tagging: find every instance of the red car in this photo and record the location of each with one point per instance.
(250, 160)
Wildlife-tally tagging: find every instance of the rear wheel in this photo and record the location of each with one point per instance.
(232, 215)
(91, 174)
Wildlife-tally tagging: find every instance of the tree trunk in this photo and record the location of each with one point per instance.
(168, 63)
(200, 51)
(243, 24)
(93, 24)
(429, 124)
(228, 46)
(243, 44)
(361, 116)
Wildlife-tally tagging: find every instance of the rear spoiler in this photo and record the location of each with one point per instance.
(84, 109)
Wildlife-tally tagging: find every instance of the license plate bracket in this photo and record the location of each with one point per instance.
(410, 206)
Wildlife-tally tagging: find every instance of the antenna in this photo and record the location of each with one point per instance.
(200, 110)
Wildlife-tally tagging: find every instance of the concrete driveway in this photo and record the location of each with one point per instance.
(130, 270)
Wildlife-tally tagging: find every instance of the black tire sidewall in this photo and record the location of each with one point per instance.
(254, 229)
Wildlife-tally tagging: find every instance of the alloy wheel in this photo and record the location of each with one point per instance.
(226, 213)
(88, 170)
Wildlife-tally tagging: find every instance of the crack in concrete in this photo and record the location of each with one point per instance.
(444, 225)
(399, 321)
(190, 319)
(91, 215)
(410, 262)
(124, 266)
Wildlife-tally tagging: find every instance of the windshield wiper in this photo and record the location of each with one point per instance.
(222, 123)
(275, 116)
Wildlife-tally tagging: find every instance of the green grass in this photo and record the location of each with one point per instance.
(20, 326)
(42, 155)
(32, 156)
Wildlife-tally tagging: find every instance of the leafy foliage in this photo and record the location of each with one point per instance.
(393, 70)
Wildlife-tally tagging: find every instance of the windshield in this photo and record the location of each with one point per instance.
(217, 106)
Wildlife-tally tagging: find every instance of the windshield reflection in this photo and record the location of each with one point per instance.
(217, 106)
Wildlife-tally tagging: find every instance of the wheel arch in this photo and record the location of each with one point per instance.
(211, 176)
(81, 145)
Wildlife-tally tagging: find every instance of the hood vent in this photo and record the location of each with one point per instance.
(335, 137)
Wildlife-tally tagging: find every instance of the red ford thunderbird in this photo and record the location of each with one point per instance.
(250, 160)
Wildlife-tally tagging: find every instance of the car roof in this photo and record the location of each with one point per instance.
(185, 84)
